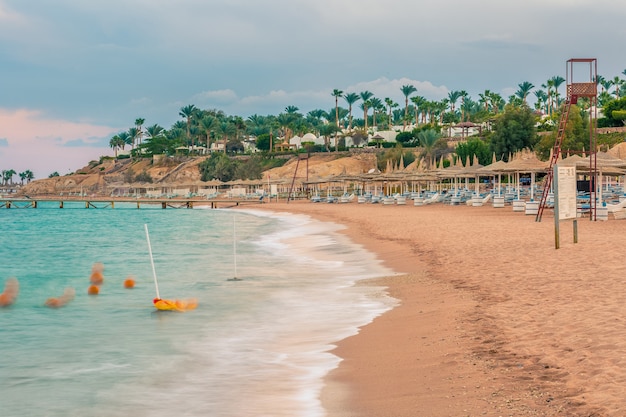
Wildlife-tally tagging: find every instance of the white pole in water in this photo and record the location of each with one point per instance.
(235, 244)
(156, 284)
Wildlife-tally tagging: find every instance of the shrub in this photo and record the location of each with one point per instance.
(143, 177)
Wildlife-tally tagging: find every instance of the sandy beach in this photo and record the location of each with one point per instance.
(492, 321)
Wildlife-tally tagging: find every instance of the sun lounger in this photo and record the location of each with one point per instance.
(346, 198)
(432, 199)
(478, 201)
(616, 207)
(619, 214)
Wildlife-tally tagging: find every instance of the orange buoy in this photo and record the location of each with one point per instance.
(11, 289)
(5, 300)
(53, 303)
(93, 290)
(56, 302)
(97, 276)
(129, 283)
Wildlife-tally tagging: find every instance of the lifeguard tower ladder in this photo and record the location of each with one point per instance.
(575, 90)
(306, 157)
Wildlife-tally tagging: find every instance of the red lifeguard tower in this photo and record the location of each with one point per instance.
(582, 87)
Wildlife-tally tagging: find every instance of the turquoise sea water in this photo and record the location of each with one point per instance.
(255, 347)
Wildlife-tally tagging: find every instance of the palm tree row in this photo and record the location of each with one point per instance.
(199, 128)
(215, 130)
(7, 176)
(416, 108)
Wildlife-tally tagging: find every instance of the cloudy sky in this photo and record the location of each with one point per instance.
(75, 72)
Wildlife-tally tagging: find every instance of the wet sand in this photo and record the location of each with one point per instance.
(493, 320)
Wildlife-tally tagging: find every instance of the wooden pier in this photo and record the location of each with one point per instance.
(101, 202)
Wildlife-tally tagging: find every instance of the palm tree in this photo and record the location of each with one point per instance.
(542, 99)
(208, 124)
(318, 115)
(484, 99)
(557, 81)
(375, 104)
(616, 82)
(365, 96)
(125, 139)
(598, 80)
(463, 95)
(291, 109)
(337, 93)
(294, 121)
(407, 90)
(133, 133)
(427, 140)
(398, 115)
(257, 125)
(116, 143)
(390, 104)
(469, 108)
(327, 131)
(139, 124)
(7, 176)
(343, 114)
(420, 107)
(549, 85)
(256, 119)
(350, 98)
(440, 109)
(227, 130)
(453, 96)
(603, 98)
(314, 119)
(28, 175)
(431, 110)
(159, 141)
(155, 131)
(524, 90)
(187, 112)
(285, 121)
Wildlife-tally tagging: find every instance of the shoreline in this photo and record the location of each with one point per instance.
(489, 315)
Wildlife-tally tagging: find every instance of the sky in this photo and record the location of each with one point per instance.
(73, 73)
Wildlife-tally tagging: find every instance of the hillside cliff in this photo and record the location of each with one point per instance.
(101, 177)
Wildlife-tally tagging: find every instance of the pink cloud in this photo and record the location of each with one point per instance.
(29, 140)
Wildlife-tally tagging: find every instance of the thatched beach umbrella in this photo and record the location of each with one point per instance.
(618, 151)
(451, 172)
(526, 162)
(420, 177)
(495, 168)
(472, 170)
(606, 164)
